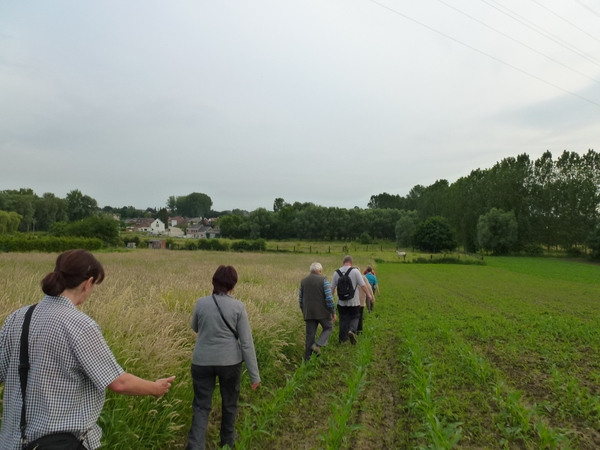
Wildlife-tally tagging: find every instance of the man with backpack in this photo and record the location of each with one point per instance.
(347, 280)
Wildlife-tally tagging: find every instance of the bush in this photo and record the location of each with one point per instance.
(497, 231)
(135, 239)
(190, 245)
(533, 250)
(213, 244)
(449, 260)
(104, 228)
(257, 245)
(365, 238)
(594, 243)
(48, 244)
(434, 235)
(574, 252)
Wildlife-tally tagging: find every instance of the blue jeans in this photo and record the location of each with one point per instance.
(204, 378)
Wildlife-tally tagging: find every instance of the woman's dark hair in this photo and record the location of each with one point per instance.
(72, 268)
(224, 279)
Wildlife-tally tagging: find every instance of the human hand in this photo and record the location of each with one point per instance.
(333, 317)
(255, 386)
(162, 386)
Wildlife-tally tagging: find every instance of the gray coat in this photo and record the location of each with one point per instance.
(216, 345)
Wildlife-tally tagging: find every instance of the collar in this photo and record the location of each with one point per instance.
(59, 299)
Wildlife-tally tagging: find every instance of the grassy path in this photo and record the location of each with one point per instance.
(486, 357)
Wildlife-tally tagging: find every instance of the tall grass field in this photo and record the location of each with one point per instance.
(497, 356)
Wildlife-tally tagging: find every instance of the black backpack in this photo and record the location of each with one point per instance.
(345, 289)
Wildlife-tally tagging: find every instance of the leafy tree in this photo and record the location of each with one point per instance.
(9, 221)
(279, 204)
(48, 210)
(192, 205)
(105, 228)
(172, 204)
(432, 200)
(163, 215)
(385, 200)
(434, 235)
(284, 219)
(594, 243)
(231, 226)
(365, 239)
(21, 202)
(80, 206)
(543, 208)
(405, 227)
(577, 197)
(129, 212)
(497, 231)
(261, 224)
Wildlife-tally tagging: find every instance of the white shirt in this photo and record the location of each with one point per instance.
(357, 281)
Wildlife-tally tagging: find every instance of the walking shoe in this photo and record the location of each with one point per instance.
(352, 336)
(315, 348)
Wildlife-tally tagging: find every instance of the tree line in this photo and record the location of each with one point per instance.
(23, 210)
(518, 203)
(555, 203)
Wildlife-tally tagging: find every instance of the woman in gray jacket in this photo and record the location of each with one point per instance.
(224, 341)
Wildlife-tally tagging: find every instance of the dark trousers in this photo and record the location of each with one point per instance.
(311, 332)
(349, 317)
(360, 319)
(204, 378)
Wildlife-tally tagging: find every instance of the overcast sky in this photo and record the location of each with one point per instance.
(323, 101)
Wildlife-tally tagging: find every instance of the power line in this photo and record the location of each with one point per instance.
(483, 53)
(518, 42)
(587, 7)
(560, 17)
(554, 38)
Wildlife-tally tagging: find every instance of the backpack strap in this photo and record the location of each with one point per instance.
(24, 368)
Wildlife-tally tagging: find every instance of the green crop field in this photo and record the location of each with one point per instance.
(454, 356)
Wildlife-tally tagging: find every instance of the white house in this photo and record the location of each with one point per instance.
(157, 227)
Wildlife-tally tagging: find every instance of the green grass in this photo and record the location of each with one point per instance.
(454, 356)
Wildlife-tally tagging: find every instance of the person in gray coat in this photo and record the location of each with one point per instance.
(316, 303)
(224, 341)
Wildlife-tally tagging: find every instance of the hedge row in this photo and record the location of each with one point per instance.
(200, 244)
(250, 246)
(219, 245)
(49, 244)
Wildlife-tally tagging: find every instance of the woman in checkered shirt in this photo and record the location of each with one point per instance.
(71, 364)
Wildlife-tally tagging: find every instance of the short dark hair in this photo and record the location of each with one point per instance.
(72, 268)
(224, 279)
(369, 269)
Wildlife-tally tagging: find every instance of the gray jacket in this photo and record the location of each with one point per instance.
(216, 345)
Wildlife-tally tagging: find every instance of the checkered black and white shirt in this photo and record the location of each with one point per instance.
(71, 366)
